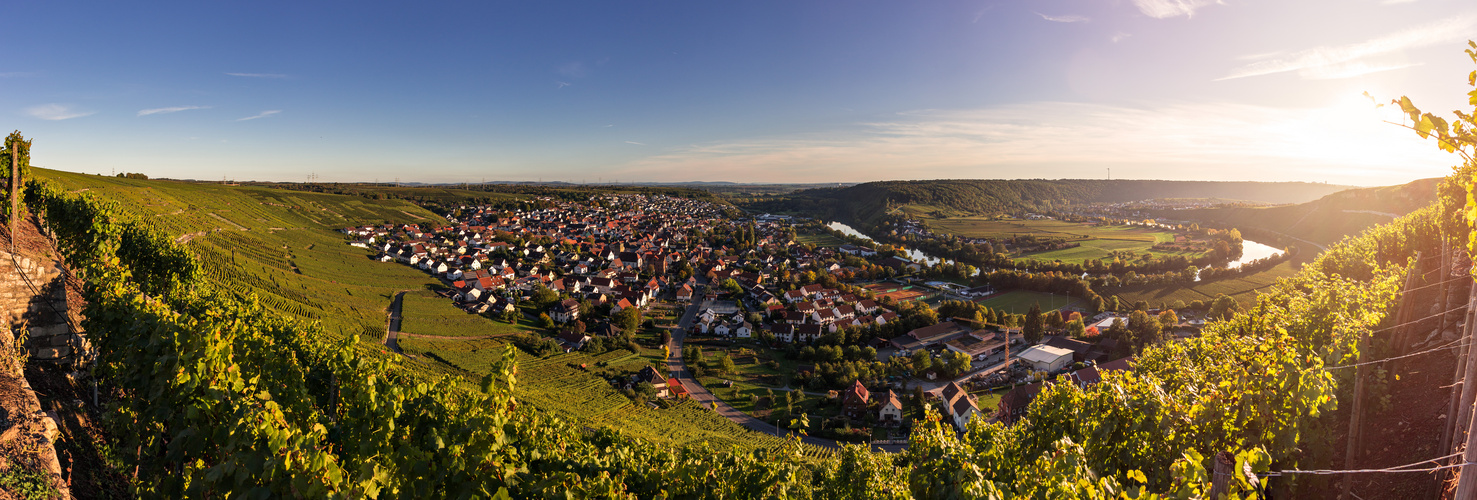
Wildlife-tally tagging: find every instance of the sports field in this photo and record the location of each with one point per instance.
(899, 292)
(1019, 301)
(1096, 241)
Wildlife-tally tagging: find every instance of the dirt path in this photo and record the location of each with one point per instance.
(227, 221)
(392, 324)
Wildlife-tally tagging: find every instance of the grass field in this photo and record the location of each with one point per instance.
(1019, 301)
(1097, 242)
(425, 313)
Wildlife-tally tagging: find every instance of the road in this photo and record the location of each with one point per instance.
(677, 368)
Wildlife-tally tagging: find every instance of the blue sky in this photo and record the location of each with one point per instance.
(751, 91)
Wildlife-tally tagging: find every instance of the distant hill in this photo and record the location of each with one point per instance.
(1328, 219)
(865, 202)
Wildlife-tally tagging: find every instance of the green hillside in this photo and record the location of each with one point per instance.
(281, 245)
(284, 247)
(864, 203)
(1328, 219)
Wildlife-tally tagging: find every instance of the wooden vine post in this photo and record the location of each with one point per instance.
(15, 186)
(1220, 478)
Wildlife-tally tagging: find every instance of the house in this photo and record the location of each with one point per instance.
(856, 401)
(677, 390)
(1045, 358)
(891, 411)
(650, 376)
(685, 293)
(565, 311)
(573, 341)
(1013, 404)
(958, 405)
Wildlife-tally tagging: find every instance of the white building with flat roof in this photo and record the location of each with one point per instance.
(1045, 358)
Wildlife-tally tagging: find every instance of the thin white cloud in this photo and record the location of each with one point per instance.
(576, 69)
(175, 109)
(636, 143)
(1064, 19)
(1120, 37)
(56, 112)
(1208, 141)
(259, 75)
(1329, 62)
(981, 13)
(1164, 9)
(263, 114)
(560, 85)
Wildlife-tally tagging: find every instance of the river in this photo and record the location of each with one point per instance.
(913, 254)
(1250, 250)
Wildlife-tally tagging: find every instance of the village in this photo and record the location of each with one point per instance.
(852, 338)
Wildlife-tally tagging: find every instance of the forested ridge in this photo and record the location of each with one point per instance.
(863, 203)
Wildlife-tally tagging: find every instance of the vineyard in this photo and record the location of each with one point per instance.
(290, 254)
(425, 313)
(558, 385)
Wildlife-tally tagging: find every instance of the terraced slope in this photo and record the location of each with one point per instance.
(281, 245)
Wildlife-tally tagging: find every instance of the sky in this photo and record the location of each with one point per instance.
(754, 91)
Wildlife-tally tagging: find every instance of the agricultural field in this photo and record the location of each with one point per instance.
(281, 246)
(1244, 289)
(1097, 242)
(423, 312)
(1020, 301)
(819, 240)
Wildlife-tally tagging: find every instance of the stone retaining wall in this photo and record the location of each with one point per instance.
(33, 296)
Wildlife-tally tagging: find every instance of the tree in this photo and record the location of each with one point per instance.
(545, 321)
(1144, 329)
(1223, 307)
(958, 362)
(725, 364)
(627, 319)
(666, 352)
(544, 297)
(1035, 326)
(1168, 320)
(921, 361)
(1054, 320)
(1076, 329)
(732, 286)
